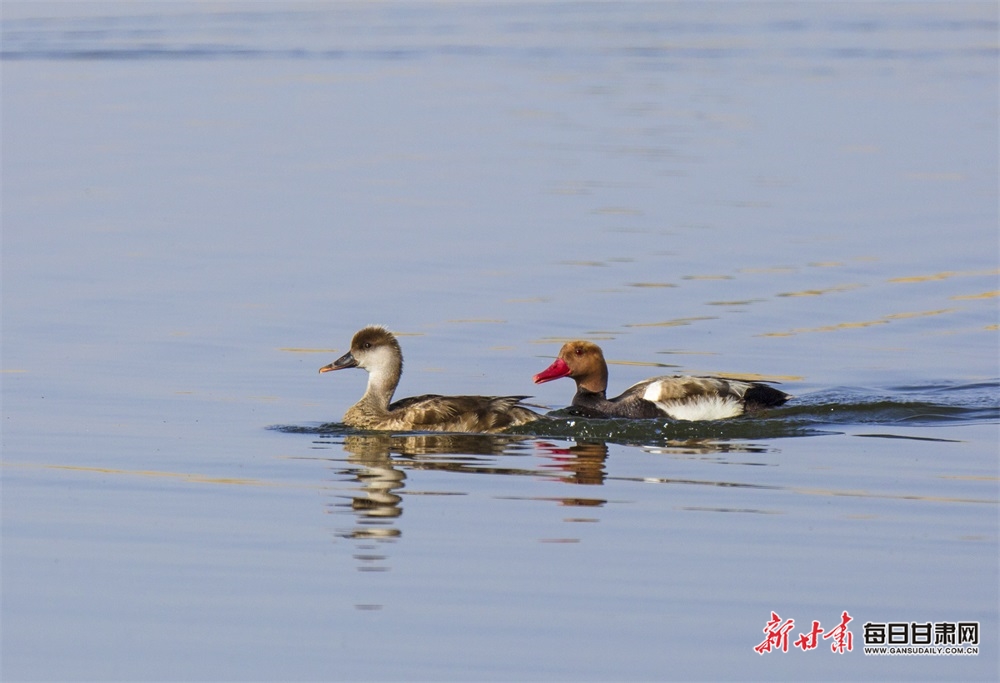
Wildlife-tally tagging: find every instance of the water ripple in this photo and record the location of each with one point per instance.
(814, 414)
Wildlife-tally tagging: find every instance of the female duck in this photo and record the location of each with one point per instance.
(376, 350)
(680, 398)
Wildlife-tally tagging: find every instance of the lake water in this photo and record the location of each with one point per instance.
(203, 202)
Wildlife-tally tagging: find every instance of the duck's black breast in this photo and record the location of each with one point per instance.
(635, 407)
(593, 404)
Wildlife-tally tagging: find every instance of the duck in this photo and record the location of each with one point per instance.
(376, 350)
(680, 397)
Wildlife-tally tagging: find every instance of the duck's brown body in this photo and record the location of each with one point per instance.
(678, 397)
(376, 350)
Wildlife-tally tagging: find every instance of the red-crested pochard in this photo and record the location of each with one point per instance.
(677, 397)
(376, 350)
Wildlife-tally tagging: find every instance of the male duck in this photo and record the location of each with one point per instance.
(678, 397)
(376, 350)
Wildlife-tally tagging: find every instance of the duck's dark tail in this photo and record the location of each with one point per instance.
(760, 396)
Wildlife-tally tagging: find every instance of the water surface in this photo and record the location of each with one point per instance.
(203, 202)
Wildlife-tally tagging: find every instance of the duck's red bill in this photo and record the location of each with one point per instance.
(555, 371)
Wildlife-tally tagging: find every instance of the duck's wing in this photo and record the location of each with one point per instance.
(704, 398)
(507, 411)
(404, 404)
(425, 411)
(461, 413)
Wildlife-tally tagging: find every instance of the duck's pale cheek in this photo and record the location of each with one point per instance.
(378, 360)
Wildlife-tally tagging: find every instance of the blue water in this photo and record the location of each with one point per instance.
(201, 203)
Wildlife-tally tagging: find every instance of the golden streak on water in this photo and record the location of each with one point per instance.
(758, 377)
(651, 284)
(984, 295)
(847, 493)
(13, 371)
(673, 323)
(820, 292)
(583, 263)
(826, 264)
(747, 302)
(919, 314)
(691, 353)
(699, 508)
(184, 476)
(642, 363)
(768, 271)
(944, 275)
(563, 340)
(861, 493)
(707, 277)
(569, 191)
(884, 320)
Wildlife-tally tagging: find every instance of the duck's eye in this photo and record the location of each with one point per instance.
(368, 345)
(579, 352)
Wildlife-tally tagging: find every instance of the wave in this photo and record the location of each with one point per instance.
(828, 411)
(372, 31)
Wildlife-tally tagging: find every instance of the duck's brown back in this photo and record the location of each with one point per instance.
(432, 412)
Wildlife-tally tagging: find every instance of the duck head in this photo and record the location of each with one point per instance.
(581, 360)
(374, 349)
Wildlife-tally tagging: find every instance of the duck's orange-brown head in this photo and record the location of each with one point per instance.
(581, 360)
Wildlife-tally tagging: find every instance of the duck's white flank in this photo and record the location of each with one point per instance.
(701, 407)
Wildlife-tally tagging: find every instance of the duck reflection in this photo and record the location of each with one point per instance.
(382, 476)
(582, 463)
(378, 479)
(383, 445)
(706, 448)
(380, 463)
(383, 459)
